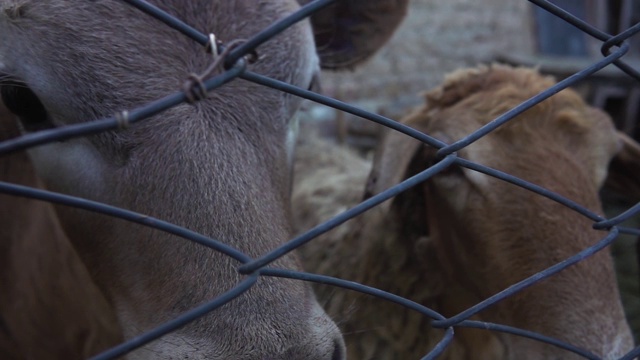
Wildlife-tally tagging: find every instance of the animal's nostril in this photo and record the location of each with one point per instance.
(338, 351)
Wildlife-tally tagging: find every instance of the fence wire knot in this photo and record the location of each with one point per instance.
(194, 88)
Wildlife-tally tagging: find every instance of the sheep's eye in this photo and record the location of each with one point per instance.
(22, 102)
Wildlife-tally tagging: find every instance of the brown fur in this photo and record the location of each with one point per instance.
(376, 249)
(218, 167)
(462, 237)
(50, 307)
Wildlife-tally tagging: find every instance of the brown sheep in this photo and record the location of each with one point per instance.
(462, 236)
(50, 308)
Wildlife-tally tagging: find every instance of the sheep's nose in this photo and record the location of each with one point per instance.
(323, 339)
(321, 346)
(339, 350)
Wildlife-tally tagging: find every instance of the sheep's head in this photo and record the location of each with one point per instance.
(219, 167)
(490, 234)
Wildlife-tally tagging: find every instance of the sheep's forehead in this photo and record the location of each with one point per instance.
(560, 120)
(45, 35)
(584, 135)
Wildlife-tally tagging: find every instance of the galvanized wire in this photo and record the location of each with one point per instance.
(614, 48)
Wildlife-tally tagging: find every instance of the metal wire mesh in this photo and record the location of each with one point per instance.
(614, 48)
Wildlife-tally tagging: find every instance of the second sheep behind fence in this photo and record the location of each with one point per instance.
(463, 236)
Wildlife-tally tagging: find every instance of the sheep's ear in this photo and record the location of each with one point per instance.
(350, 31)
(624, 169)
(391, 162)
(399, 156)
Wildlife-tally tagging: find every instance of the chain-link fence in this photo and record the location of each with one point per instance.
(233, 63)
